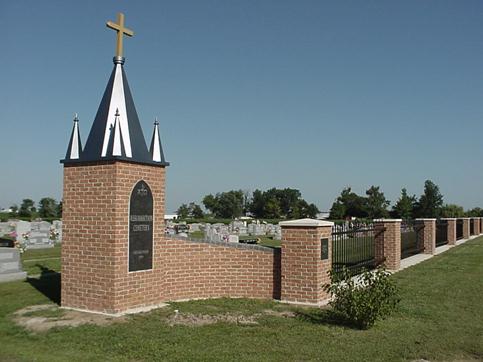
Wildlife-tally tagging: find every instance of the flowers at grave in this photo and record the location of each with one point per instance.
(53, 234)
(21, 247)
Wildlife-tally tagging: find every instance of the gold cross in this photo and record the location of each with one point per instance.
(121, 30)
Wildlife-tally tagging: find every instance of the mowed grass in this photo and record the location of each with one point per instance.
(37, 261)
(440, 318)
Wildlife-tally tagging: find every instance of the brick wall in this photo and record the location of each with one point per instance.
(95, 249)
(202, 270)
(303, 271)
(451, 230)
(466, 228)
(95, 236)
(388, 242)
(428, 234)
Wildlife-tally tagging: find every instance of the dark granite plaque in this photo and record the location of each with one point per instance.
(141, 228)
(324, 248)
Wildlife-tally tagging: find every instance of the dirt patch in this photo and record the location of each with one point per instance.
(189, 319)
(41, 318)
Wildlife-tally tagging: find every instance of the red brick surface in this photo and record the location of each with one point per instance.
(388, 243)
(95, 249)
(303, 271)
(451, 231)
(428, 235)
(466, 228)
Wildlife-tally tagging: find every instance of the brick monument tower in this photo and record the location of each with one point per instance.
(113, 205)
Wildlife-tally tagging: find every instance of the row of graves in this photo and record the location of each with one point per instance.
(30, 235)
(235, 232)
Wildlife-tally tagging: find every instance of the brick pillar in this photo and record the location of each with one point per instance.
(466, 227)
(481, 225)
(451, 230)
(476, 229)
(304, 272)
(388, 242)
(428, 234)
(95, 245)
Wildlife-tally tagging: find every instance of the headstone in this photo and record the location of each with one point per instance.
(5, 228)
(194, 227)
(22, 230)
(57, 230)
(233, 238)
(10, 267)
(39, 236)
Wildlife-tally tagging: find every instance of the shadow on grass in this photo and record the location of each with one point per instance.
(48, 283)
(327, 317)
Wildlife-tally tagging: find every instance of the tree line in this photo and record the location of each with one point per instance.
(270, 204)
(375, 205)
(46, 208)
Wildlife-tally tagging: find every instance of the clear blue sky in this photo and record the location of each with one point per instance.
(314, 95)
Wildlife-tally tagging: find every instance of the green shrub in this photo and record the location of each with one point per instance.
(364, 299)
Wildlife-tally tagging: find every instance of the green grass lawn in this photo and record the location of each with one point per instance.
(34, 261)
(440, 318)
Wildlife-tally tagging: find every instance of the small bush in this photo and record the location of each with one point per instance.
(364, 299)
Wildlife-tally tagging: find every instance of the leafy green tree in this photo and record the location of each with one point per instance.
(452, 210)
(195, 211)
(27, 208)
(225, 204)
(210, 202)
(475, 212)
(353, 204)
(59, 209)
(231, 204)
(14, 211)
(430, 202)
(256, 207)
(47, 207)
(183, 211)
(337, 211)
(376, 203)
(304, 209)
(289, 200)
(404, 206)
(272, 209)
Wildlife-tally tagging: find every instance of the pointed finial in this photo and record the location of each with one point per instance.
(156, 121)
(75, 118)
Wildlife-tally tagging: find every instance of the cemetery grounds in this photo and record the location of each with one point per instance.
(440, 318)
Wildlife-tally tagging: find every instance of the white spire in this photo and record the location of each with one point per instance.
(117, 104)
(117, 142)
(156, 150)
(75, 145)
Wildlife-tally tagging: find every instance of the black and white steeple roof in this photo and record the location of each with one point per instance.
(116, 133)
(75, 145)
(156, 149)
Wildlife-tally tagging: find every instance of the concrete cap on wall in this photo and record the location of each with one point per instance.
(426, 219)
(449, 218)
(387, 220)
(306, 223)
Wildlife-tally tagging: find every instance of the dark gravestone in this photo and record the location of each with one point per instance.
(141, 228)
(6, 243)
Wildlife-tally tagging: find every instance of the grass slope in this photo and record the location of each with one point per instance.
(440, 318)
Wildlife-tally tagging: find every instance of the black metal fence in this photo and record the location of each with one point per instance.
(412, 242)
(472, 226)
(441, 232)
(354, 247)
(459, 229)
